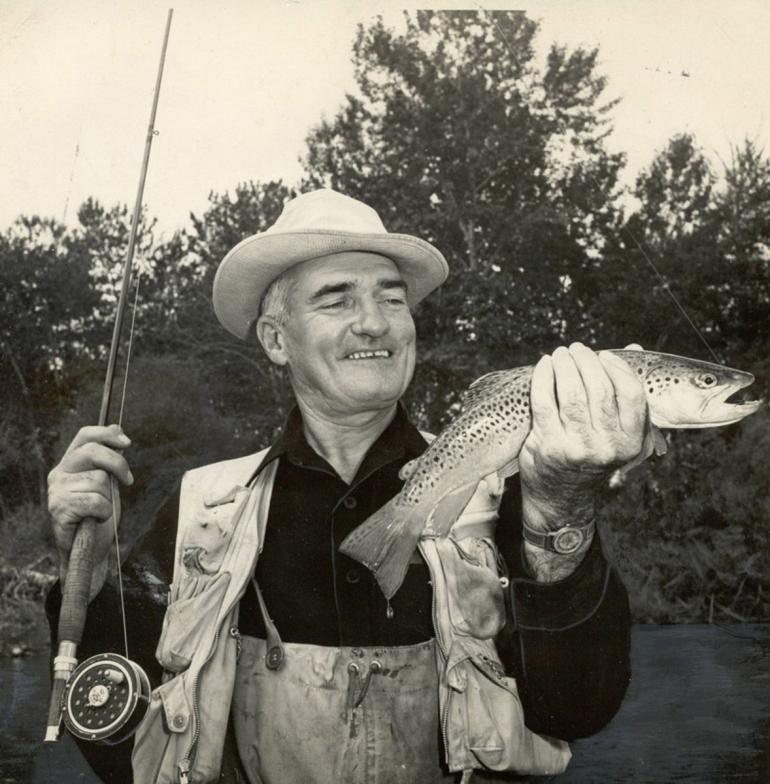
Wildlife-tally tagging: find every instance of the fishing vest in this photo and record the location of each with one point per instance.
(220, 535)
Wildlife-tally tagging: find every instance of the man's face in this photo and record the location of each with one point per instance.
(349, 338)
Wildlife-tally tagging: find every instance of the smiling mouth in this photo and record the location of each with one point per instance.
(378, 354)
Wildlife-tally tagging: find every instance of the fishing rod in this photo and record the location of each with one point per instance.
(105, 697)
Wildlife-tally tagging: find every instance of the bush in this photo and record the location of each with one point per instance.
(27, 571)
(688, 531)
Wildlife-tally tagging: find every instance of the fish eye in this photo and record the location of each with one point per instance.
(706, 380)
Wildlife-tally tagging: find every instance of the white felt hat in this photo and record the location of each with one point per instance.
(313, 225)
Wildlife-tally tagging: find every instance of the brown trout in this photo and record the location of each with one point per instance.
(489, 432)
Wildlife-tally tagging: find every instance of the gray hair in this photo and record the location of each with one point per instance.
(275, 301)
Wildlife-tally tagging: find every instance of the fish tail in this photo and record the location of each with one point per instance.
(384, 543)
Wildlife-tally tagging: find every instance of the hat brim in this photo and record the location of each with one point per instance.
(251, 266)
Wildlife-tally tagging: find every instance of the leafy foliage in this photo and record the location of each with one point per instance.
(458, 135)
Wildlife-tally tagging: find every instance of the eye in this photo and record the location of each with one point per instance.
(706, 380)
(337, 304)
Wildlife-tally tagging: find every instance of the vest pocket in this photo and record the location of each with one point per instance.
(162, 735)
(475, 598)
(187, 626)
(496, 734)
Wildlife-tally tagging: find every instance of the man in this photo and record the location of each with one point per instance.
(330, 295)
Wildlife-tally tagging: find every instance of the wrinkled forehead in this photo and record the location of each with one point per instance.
(355, 269)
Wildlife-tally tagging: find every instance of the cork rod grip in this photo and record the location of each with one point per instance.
(77, 586)
(72, 619)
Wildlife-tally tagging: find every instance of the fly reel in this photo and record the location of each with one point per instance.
(105, 698)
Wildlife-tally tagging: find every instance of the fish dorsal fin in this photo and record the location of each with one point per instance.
(489, 383)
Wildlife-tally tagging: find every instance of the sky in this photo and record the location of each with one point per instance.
(245, 81)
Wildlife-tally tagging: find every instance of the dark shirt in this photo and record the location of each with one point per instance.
(567, 643)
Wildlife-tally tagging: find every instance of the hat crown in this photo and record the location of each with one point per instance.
(329, 211)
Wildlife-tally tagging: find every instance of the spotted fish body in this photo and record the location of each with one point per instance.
(489, 433)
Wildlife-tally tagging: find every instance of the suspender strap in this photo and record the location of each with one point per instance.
(275, 654)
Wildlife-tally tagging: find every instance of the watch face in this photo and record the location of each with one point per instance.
(568, 540)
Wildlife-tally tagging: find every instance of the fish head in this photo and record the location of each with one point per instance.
(690, 393)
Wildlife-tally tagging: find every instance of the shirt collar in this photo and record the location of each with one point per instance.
(399, 439)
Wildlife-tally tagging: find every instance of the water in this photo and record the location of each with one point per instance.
(697, 711)
(23, 710)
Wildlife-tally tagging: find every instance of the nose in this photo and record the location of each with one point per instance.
(370, 320)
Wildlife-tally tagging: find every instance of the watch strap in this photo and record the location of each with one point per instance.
(564, 540)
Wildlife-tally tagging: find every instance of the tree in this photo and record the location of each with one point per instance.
(180, 320)
(457, 136)
(666, 246)
(42, 330)
(742, 215)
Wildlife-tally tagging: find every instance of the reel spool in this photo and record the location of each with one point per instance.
(105, 699)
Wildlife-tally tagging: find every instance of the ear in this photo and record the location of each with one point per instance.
(270, 335)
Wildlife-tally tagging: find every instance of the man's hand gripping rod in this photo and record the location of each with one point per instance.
(113, 692)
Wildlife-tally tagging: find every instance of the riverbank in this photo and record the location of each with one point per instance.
(696, 712)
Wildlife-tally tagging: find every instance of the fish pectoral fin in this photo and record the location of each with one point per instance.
(445, 513)
(660, 444)
(654, 443)
(509, 469)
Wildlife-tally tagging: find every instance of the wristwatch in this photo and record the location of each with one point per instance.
(564, 541)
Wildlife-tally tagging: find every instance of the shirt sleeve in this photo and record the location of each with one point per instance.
(567, 643)
(147, 574)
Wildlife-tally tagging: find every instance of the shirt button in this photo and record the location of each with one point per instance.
(349, 502)
(353, 576)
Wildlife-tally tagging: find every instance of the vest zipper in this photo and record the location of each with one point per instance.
(189, 758)
(441, 649)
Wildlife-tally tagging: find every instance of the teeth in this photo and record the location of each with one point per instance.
(369, 354)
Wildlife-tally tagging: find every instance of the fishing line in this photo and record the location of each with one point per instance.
(113, 482)
(72, 174)
(114, 498)
(667, 288)
(130, 346)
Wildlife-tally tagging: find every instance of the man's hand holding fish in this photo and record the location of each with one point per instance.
(589, 417)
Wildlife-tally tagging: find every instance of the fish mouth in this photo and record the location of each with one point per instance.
(726, 405)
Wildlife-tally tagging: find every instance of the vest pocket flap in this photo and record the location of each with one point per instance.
(176, 709)
(218, 496)
(187, 626)
(209, 534)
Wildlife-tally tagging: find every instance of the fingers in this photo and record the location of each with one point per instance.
(111, 436)
(571, 392)
(599, 389)
(94, 455)
(91, 504)
(96, 482)
(545, 411)
(629, 394)
(587, 396)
